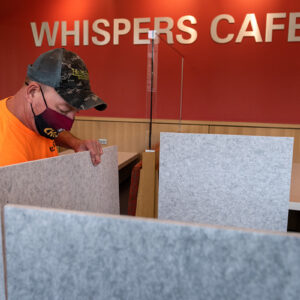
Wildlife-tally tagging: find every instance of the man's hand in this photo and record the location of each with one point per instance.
(67, 140)
(94, 147)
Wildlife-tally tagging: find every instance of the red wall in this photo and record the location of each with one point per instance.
(247, 82)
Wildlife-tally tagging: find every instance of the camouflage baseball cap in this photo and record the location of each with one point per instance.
(66, 72)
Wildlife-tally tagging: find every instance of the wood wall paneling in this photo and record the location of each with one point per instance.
(161, 127)
(128, 136)
(131, 135)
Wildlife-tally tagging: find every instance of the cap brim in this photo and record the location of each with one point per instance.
(82, 99)
(93, 101)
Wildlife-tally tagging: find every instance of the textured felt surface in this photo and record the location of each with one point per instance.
(67, 182)
(2, 283)
(241, 181)
(64, 255)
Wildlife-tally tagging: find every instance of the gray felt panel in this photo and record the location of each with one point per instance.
(64, 255)
(2, 284)
(67, 182)
(241, 181)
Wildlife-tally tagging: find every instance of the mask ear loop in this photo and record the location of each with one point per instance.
(32, 109)
(30, 103)
(43, 96)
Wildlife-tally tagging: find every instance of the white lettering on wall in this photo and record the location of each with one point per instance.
(104, 33)
(65, 33)
(293, 26)
(101, 37)
(255, 32)
(191, 31)
(214, 29)
(270, 26)
(85, 32)
(250, 20)
(118, 31)
(38, 38)
(137, 31)
(165, 30)
(101, 32)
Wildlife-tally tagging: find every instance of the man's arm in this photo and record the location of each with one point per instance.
(67, 140)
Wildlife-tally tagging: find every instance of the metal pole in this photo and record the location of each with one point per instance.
(181, 93)
(151, 97)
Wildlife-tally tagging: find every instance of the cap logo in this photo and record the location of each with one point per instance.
(80, 74)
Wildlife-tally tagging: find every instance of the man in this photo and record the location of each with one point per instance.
(39, 116)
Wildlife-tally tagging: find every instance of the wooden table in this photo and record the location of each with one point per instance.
(125, 158)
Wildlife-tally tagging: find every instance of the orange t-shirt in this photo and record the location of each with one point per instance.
(18, 143)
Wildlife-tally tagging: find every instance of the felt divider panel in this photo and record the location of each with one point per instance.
(231, 180)
(64, 255)
(2, 282)
(67, 182)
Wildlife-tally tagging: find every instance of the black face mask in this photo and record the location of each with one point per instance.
(50, 123)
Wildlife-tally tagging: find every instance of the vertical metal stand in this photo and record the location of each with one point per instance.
(152, 69)
(151, 96)
(181, 93)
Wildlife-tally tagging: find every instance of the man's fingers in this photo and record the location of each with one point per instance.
(96, 159)
(96, 151)
(100, 148)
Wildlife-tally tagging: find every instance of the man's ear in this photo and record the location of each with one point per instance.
(32, 90)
